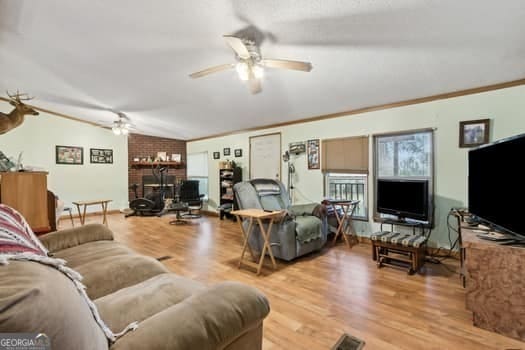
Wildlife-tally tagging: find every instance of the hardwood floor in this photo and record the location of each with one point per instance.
(314, 300)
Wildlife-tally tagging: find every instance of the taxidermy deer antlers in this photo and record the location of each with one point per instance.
(16, 117)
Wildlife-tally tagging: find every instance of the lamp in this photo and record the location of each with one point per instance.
(120, 128)
(258, 71)
(243, 70)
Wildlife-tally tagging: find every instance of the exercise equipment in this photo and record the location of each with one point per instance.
(152, 203)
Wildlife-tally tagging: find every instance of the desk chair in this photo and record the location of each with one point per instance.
(189, 193)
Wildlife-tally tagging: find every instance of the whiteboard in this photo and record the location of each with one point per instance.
(265, 156)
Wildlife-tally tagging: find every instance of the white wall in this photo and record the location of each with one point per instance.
(505, 108)
(37, 138)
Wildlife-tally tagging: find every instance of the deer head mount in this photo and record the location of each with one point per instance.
(16, 117)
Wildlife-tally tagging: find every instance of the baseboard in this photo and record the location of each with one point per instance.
(209, 213)
(93, 213)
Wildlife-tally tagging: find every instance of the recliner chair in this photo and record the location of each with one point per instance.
(301, 231)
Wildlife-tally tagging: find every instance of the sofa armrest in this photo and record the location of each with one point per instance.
(315, 209)
(210, 319)
(72, 237)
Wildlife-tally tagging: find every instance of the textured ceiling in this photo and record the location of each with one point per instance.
(135, 56)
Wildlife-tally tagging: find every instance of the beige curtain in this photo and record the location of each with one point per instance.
(345, 155)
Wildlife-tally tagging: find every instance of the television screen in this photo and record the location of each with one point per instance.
(403, 198)
(496, 186)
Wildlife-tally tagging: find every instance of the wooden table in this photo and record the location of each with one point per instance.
(82, 214)
(259, 216)
(344, 221)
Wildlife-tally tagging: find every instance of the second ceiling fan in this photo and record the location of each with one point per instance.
(250, 65)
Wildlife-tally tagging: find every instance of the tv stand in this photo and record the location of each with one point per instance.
(495, 282)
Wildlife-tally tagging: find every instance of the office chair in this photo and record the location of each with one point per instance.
(189, 193)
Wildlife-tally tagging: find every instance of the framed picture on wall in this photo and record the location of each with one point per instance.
(69, 155)
(176, 157)
(100, 156)
(226, 151)
(312, 149)
(216, 155)
(474, 132)
(238, 152)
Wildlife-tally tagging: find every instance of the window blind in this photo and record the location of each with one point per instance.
(197, 164)
(345, 155)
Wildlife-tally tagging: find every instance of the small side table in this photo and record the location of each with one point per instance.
(344, 220)
(85, 204)
(259, 216)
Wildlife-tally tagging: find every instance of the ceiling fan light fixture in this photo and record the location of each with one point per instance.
(125, 131)
(116, 130)
(243, 70)
(258, 71)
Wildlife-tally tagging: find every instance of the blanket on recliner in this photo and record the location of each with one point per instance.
(307, 228)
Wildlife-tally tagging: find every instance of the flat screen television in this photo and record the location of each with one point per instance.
(496, 184)
(407, 199)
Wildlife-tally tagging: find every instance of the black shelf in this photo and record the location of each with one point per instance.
(227, 179)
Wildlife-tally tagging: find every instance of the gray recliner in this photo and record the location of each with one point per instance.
(301, 231)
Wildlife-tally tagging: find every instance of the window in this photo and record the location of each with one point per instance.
(198, 170)
(345, 168)
(349, 187)
(405, 156)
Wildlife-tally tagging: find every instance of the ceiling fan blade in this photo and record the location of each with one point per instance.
(287, 64)
(237, 45)
(211, 70)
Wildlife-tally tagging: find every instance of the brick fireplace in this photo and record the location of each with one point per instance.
(142, 146)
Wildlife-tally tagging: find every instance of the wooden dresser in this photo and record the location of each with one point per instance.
(495, 281)
(27, 193)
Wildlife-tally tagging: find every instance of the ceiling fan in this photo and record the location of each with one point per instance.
(250, 65)
(121, 126)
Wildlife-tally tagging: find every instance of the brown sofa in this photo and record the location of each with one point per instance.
(173, 312)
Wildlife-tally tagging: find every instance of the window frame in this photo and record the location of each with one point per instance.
(431, 179)
(199, 177)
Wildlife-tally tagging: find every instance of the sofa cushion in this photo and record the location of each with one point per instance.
(40, 299)
(143, 300)
(63, 239)
(208, 320)
(92, 251)
(111, 273)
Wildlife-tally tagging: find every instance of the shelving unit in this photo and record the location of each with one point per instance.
(228, 178)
